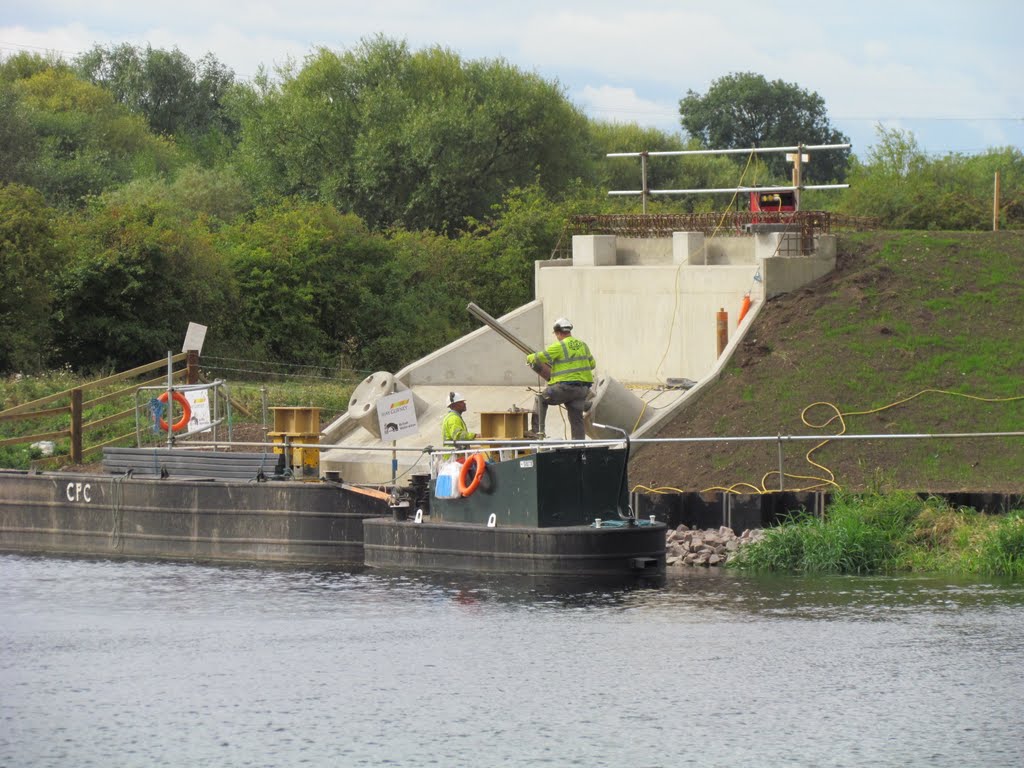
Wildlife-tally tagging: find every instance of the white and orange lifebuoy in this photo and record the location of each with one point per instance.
(186, 412)
(477, 465)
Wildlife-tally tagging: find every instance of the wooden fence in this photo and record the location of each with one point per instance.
(76, 409)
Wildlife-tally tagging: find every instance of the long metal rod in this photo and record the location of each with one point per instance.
(754, 150)
(796, 438)
(724, 190)
(542, 369)
(498, 328)
(523, 443)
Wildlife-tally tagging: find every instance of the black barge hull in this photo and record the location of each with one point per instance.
(185, 519)
(581, 550)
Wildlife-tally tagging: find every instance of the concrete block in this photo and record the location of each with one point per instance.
(689, 248)
(774, 244)
(593, 250)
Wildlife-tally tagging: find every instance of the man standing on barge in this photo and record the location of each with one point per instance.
(453, 426)
(572, 376)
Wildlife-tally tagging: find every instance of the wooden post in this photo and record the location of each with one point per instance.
(76, 426)
(192, 367)
(723, 330)
(995, 205)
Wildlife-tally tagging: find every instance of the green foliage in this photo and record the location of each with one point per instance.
(307, 278)
(330, 395)
(419, 140)
(178, 97)
(137, 273)
(672, 171)
(744, 109)
(884, 533)
(23, 65)
(85, 143)
(28, 263)
(905, 189)
(1003, 549)
(218, 195)
(858, 535)
(622, 173)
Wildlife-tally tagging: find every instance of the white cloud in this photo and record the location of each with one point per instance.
(876, 61)
(622, 105)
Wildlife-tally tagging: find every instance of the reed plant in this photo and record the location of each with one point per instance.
(1002, 551)
(891, 533)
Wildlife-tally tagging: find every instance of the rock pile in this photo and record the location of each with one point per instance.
(686, 546)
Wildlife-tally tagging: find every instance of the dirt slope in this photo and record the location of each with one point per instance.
(935, 317)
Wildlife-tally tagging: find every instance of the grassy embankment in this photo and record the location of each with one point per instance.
(914, 333)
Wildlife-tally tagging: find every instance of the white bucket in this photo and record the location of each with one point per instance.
(447, 484)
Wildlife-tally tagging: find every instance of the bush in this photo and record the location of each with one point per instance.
(1002, 552)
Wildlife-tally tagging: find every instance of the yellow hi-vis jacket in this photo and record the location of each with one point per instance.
(570, 360)
(453, 428)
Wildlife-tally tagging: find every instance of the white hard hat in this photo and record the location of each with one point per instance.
(455, 397)
(563, 324)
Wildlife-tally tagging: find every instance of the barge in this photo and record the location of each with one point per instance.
(191, 515)
(541, 510)
(548, 510)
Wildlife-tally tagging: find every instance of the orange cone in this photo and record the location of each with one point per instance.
(744, 308)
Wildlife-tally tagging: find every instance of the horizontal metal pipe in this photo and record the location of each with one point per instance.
(751, 150)
(495, 443)
(725, 190)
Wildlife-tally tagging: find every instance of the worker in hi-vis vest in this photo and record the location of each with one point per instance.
(571, 377)
(453, 426)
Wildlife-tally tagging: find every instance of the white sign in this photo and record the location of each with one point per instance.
(199, 402)
(194, 337)
(396, 415)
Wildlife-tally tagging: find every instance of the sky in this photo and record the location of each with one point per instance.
(949, 72)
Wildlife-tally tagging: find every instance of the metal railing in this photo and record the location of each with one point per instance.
(517, 446)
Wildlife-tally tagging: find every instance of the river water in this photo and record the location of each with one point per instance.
(155, 664)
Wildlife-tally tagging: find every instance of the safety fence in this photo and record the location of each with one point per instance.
(75, 417)
(729, 223)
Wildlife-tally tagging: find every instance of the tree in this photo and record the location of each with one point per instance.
(419, 140)
(217, 195)
(306, 276)
(625, 173)
(85, 143)
(177, 96)
(21, 66)
(27, 262)
(744, 110)
(906, 189)
(17, 137)
(137, 272)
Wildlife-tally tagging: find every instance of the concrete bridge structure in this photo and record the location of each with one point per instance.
(647, 307)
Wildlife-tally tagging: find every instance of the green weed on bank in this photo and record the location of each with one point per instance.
(891, 533)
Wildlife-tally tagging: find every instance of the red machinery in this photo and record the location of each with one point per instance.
(772, 201)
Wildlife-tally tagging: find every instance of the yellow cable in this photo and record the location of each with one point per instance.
(675, 282)
(840, 416)
(642, 410)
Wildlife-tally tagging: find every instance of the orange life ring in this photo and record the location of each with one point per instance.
(479, 464)
(186, 412)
